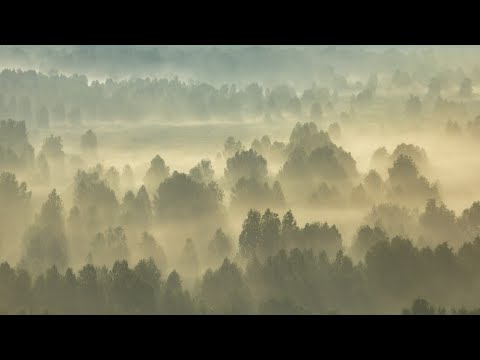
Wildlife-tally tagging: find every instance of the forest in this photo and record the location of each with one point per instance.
(138, 180)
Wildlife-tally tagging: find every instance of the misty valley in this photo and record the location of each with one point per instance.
(239, 180)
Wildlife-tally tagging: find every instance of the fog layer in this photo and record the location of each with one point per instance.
(239, 180)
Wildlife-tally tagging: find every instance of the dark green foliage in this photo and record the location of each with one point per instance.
(157, 172)
(251, 193)
(320, 237)
(130, 290)
(367, 237)
(407, 185)
(295, 282)
(250, 236)
(264, 235)
(175, 300)
(439, 224)
(246, 164)
(45, 241)
(16, 215)
(312, 155)
(420, 307)
(136, 212)
(416, 153)
(179, 198)
(16, 153)
(120, 290)
(202, 172)
(95, 199)
(13, 135)
(308, 137)
(224, 290)
(231, 147)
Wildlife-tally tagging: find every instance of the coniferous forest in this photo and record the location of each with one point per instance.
(239, 180)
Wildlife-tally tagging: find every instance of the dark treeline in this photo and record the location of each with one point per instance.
(421, 306)
(296, 281)
(56, 99)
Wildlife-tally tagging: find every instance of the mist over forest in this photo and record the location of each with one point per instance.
(239, 179)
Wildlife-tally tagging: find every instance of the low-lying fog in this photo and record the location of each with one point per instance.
(356, 194)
